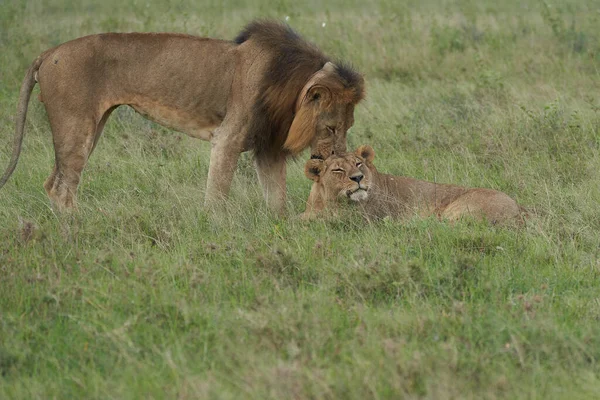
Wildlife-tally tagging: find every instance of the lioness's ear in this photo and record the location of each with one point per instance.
(313, 169)
(366, 152)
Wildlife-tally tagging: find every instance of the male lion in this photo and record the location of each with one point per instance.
(268, 91)
(354, 177)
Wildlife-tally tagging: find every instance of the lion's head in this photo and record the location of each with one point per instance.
(305, 99)
(347, 176)
(325, 112)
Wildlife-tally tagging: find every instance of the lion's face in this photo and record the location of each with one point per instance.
(330, 130)
(341, 177)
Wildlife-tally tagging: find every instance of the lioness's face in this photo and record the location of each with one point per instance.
(331, 128)
(345, 176)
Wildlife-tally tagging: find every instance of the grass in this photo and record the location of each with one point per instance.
(141, 294)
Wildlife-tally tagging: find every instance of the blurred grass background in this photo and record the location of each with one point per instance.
(142, 294)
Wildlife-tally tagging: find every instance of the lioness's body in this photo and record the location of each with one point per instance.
(401, 196)
(268, 91)
(355, 177)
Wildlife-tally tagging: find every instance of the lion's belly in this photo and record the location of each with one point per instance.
(199, 126)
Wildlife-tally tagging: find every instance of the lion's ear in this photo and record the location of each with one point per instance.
(365, 152)
(316, 90)
(317, 94)
(303, 128)
(313, 169)
(314, 97)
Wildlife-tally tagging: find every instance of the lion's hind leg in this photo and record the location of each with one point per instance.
(74, 139)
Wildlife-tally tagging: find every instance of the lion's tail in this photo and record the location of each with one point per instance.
(26, 89)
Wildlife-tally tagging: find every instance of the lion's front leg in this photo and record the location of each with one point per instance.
(223, 162)
(271, 175)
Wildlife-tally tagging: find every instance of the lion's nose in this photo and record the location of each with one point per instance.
(357, 178)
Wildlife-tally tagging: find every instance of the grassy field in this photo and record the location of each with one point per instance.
(142, 294)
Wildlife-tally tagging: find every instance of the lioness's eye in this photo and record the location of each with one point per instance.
(338, 170)
(331, 129)
(359, 164)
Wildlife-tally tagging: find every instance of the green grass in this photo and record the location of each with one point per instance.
(142, 294)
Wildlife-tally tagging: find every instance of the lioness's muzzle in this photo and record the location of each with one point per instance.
(359, 189)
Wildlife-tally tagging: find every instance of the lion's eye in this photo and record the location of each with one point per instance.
(331, 129)
(338, 171)
(359, 164)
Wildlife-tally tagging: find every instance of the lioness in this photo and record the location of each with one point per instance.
(354, 177)
(268, 91)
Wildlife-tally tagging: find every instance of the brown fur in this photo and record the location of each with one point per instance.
(268, 91)
(354, 177)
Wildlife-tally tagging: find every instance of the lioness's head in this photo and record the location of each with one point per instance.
(325, 111)
(347, 176)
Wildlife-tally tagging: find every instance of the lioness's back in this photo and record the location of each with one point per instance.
(493, 205)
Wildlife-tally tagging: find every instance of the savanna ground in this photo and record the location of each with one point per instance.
(142, 294)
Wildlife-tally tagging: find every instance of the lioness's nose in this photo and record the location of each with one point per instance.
(357, 178)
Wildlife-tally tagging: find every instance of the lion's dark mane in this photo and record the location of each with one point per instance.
(294, 61)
